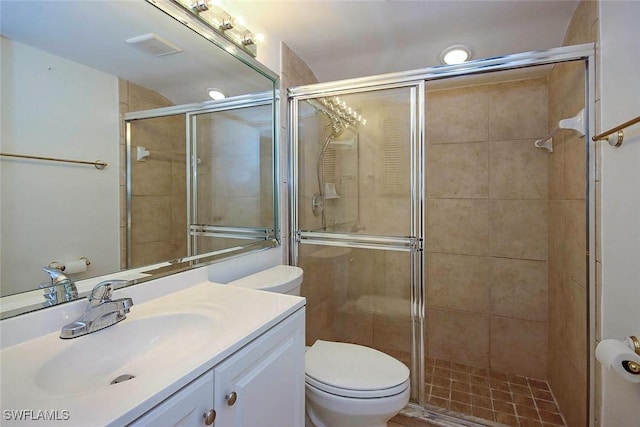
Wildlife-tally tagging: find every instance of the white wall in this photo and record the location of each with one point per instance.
(56, 211)
(620, 294)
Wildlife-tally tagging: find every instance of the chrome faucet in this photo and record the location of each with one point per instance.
(60, 289)
(101, 312)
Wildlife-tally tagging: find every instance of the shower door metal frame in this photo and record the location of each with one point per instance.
(582, 52)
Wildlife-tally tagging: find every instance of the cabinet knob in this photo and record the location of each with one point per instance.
(209, 417)
(231, 398)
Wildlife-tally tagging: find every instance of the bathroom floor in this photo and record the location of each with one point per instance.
(483, 394)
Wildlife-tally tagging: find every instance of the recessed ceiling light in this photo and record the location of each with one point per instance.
(456, 54)
(215, 93)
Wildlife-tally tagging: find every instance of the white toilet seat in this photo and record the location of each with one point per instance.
(355, 371)
(357, 394)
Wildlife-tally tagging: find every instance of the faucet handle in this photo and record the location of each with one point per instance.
(101, 292)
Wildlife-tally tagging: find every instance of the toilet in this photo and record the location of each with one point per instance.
(346, 385)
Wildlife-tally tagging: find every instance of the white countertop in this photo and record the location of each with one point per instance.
(239, 316)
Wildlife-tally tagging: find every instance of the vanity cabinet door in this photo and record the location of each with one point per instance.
(262, 385)
(185, 408)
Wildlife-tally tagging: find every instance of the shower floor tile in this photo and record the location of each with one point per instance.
(496, 397)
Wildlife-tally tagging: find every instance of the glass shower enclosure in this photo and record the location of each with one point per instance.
(433, 225)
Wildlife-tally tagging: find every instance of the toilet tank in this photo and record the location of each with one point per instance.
(283, 279)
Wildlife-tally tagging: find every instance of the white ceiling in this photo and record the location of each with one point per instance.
(93, 33)
(337, 39)
(344, 39)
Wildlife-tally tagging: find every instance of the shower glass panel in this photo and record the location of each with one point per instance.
(356, 238)
(356, 178)
(231, 178)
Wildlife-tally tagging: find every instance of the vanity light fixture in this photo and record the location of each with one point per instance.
(456, 54)
(215, 93)
(232, 28)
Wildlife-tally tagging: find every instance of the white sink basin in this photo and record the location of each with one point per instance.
(133, 347)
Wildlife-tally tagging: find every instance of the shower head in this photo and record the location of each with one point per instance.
(340, 115)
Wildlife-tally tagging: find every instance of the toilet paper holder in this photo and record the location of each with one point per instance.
(60, 265)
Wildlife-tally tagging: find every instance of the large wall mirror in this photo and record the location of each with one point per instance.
(187, 179)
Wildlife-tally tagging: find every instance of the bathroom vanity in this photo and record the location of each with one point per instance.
(207, 355)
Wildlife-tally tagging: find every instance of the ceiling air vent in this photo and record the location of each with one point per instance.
(154, 44)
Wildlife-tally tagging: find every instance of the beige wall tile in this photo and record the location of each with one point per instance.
(179, 217)
(123, 90)
(574, 168)
(556, 234)
(458, 337)
(572, 94)
(458, 115)
(458, 170)
(306, 219)
(567, 250)
(142, 94)
(320, 323)
(237, 175)
(318, 284)
(519, 347)
(354, 327)
(178, 175)
(569, 388)
(518, 229)
(557, 308)
(364, 273)
(397, 274)
(237, 211)
(153, 134)
(579, 30)
(392, 216)
(153, 252)
(458, 226)
(575, 298)
(151, 177)
(575, 248)
(459, 282)
(389, 334)
(556, 169)
(123, 247)
(519, 289)
(151, 218)
(518, 110)
(518, 170)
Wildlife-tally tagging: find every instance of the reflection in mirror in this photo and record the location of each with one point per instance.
(231, 155)
(68, 76)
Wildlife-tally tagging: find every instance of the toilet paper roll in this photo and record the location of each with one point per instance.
(75, 266)
(618, 355)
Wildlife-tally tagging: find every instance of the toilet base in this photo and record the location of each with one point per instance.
(328, 410)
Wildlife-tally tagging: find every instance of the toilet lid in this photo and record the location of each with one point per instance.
(354, 370)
